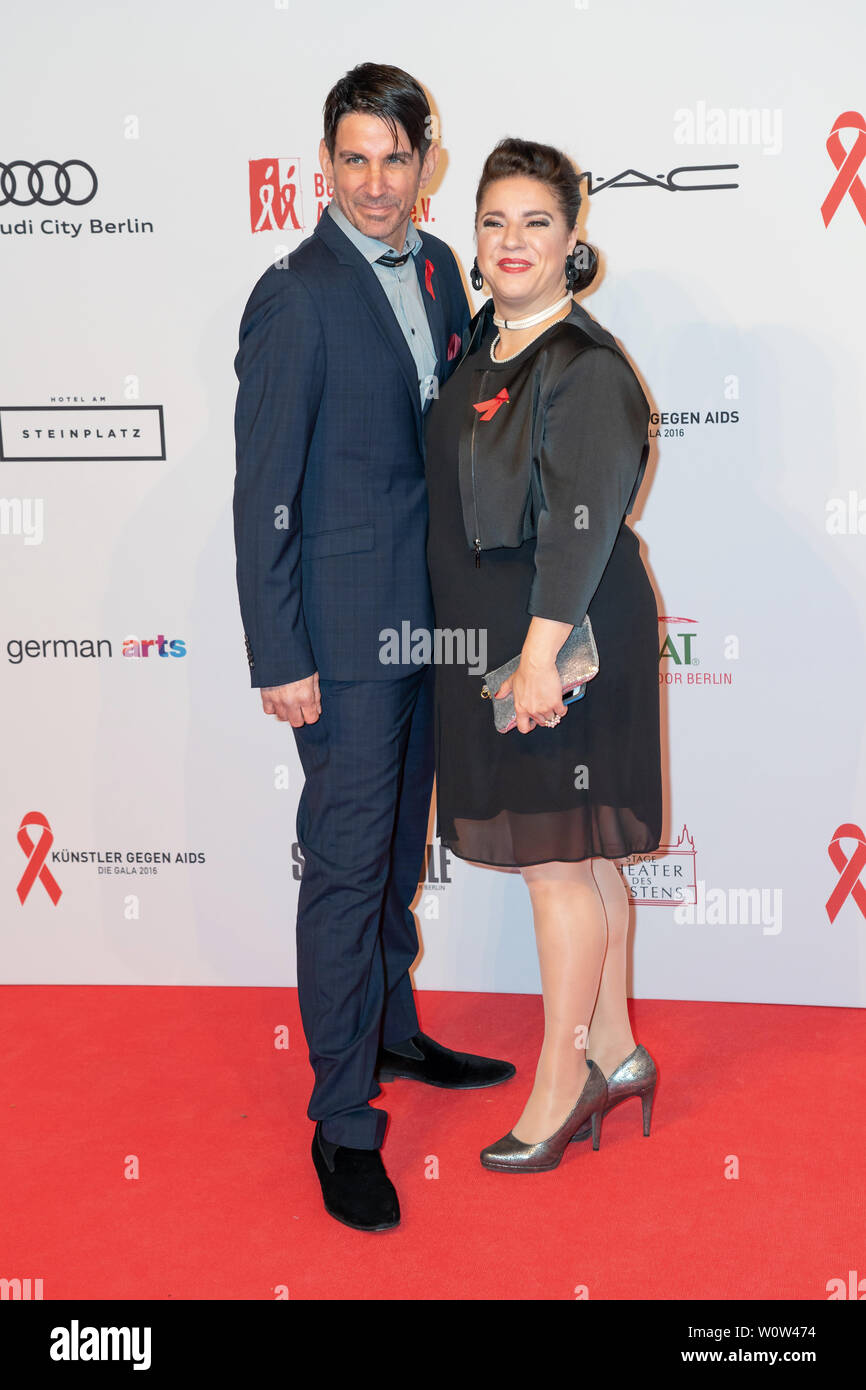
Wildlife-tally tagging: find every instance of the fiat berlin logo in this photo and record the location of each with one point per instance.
(678, 649)
(18, 176)
(37, 853)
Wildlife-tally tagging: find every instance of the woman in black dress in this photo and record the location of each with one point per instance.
(535, 452)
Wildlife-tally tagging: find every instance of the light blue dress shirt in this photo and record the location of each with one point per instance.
(400, 283)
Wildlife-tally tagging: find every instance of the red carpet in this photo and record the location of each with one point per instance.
(227, 1204)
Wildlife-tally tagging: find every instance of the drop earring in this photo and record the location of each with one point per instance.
(571, 272)
(476, 279)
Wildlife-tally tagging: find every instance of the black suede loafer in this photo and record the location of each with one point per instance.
(422, 1059)
(355, 1187)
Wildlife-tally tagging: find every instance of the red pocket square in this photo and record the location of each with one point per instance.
(454, 346)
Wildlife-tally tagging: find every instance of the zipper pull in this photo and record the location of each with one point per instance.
(477, 553)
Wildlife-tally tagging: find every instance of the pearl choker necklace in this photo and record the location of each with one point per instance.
(500, 360)
(533, 319)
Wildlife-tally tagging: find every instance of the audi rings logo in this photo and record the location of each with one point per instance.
(73, 182)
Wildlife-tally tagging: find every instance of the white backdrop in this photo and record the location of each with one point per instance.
(741, 310)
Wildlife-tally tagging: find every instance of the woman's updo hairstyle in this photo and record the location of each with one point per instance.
(525, 158)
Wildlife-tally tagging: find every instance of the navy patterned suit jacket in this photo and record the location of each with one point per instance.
(330, 504)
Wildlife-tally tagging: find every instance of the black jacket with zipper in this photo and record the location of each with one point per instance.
(561, 458)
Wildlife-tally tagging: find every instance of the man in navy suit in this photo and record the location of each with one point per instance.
(342, 348)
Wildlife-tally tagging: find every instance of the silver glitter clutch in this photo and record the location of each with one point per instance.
(576, 662)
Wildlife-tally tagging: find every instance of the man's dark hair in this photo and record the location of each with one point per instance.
(379, 90)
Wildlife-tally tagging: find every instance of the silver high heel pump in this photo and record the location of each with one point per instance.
(511, 1155)
(636, 1076)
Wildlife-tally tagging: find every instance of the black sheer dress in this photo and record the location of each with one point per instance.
(591, 786)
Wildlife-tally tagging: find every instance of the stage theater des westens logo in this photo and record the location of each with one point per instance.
(665, 878)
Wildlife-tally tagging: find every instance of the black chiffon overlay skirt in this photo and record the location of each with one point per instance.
(591, 786)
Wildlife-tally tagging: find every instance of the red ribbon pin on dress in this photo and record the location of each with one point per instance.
(487, 409)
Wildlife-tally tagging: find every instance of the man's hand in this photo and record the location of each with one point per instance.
(299, 703)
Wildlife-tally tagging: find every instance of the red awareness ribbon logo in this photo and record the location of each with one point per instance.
(847, 163)
(429, 267)
(487, 409)
(849, 870)
(37, 854)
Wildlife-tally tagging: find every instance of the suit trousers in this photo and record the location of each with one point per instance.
(362, 827)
